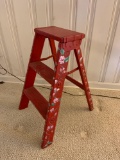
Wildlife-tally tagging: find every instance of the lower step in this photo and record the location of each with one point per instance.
(38, 100)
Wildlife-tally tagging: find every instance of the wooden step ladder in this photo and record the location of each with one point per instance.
(68, 40)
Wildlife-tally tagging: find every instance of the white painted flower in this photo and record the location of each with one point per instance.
(61, 60)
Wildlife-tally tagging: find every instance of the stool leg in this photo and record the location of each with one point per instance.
(31, 74)
(82, 71)
(53, 48)
(55, 96)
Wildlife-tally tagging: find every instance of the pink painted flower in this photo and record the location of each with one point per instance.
(56, 81)
(62, 70)
(61, 60)
(55, 114)
(55, 100)
(55, 90)
(53, 94)
(49, 127)
(52, 110)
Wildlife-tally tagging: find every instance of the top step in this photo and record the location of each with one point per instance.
(59, 34)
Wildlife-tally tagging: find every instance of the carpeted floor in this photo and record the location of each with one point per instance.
(80, 134)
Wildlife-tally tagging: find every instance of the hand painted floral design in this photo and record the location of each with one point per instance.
(66, 59)
(62, 70)
(62, 59)
(55, 114)
(50, 127)
(78, 51)
(56, 81)
(52, 110)
(55, 100)
(56, 90)
(80, 59)
(52, 104)
(61, 65)
(53, 94)
(62, 51)
(49, 142)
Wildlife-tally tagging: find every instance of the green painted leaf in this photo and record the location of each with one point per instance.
(66, 59)
(52, 104)
(49, 142)
(62, 51)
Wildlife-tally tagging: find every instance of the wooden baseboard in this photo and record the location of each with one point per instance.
(40, 81)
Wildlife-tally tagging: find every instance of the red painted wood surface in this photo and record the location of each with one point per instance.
(31, 74)
(75, 82)
(59, 34)
(43, 70)
(38, 100)
(55, 95)
(68, 40)
(53, 50)
(83, 75)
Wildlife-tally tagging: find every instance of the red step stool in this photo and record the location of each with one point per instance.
(68, 40)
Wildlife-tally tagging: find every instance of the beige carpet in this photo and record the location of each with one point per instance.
(80, 134)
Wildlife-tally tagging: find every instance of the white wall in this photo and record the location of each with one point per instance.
(98, 19)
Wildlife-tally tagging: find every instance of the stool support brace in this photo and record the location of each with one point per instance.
(31, 74)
